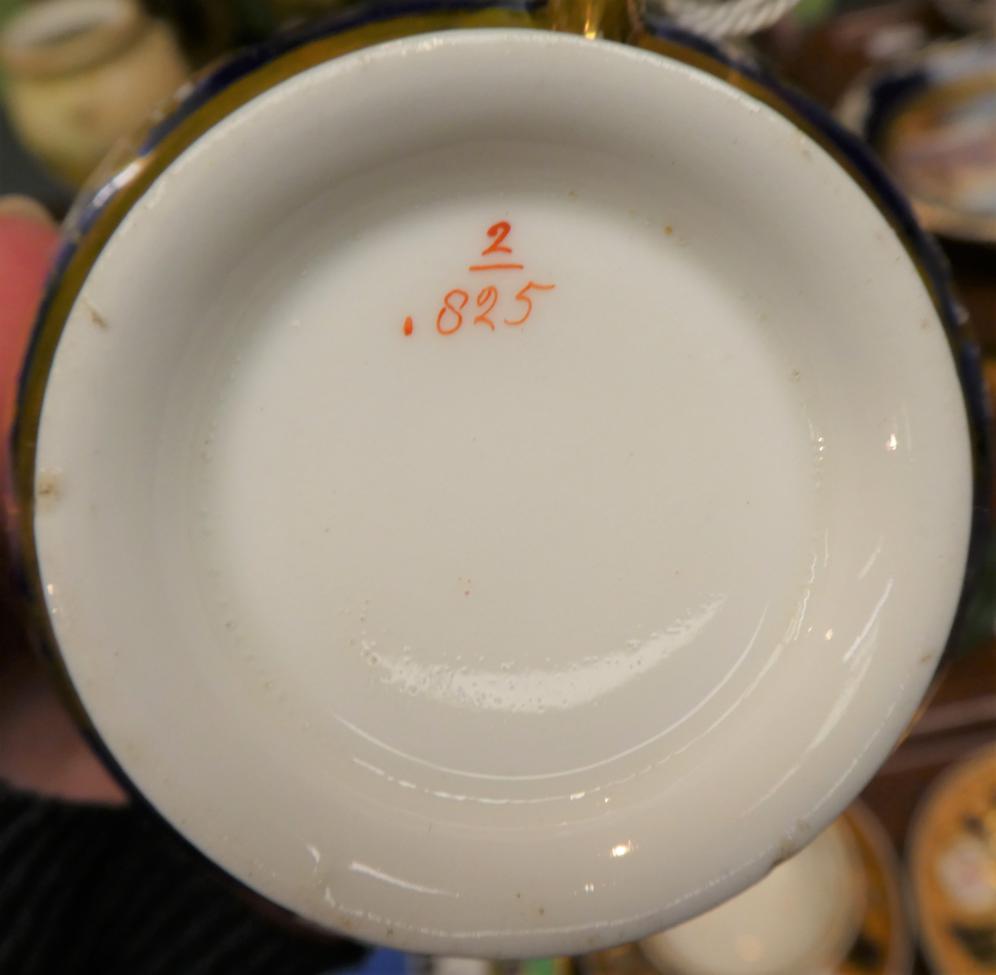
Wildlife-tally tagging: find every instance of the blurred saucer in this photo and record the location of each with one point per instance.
(930, 117)
(953, 868)
(834, 909)
(802, 917)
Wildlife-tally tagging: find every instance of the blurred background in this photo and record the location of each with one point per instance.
(904, 882)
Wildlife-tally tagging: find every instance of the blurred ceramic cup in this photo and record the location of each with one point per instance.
(82, 73)
(802, 917)
(450, 510)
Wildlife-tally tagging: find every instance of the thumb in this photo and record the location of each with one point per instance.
(28, 241)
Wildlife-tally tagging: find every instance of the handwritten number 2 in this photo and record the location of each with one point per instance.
(523, 296)
(488, 297)
(499, 231)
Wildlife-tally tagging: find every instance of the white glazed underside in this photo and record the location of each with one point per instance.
(517, 641)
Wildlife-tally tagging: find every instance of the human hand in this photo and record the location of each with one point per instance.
(41, 747)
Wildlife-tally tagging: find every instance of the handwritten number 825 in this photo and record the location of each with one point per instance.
(450, 316)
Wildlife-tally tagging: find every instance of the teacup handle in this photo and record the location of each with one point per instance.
(614, 20)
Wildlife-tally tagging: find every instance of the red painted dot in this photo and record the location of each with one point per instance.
(409, 327)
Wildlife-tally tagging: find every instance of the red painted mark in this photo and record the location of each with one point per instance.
(499, 231)
(457, 294)
(523, 296)
(450, 317)
(496, 267)
(488, 294)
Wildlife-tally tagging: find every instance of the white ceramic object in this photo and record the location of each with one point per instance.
(80, 75)
(520, 640)
(802, 917)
